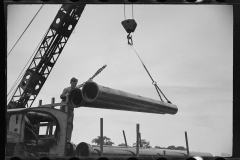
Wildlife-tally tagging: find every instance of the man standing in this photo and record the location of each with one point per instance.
(69, 109)
(67, 90)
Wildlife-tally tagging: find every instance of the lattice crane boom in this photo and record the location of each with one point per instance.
(46, 55)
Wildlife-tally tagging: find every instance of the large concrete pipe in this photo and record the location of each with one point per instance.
(94, 95)
(76, 100)
(87, 150)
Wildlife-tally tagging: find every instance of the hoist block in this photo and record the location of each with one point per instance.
(129, 25)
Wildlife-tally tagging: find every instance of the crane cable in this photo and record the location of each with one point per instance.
(132, 12)
(129, 36)
(30, 57)
(17, 81)
(25, 29)
(125, 13)
(153, 82)
(130, 42)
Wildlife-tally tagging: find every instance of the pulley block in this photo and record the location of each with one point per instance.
(129, 25)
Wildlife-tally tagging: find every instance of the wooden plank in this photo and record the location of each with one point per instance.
(54, 105)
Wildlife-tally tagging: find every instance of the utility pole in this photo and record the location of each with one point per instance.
(101, 136)
(186, 138)
(137, 143)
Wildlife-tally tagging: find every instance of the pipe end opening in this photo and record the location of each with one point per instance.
(90, 91)
(76, 98)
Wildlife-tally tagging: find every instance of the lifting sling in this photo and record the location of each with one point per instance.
(130, 26)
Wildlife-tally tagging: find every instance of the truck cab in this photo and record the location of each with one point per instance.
(37, 131)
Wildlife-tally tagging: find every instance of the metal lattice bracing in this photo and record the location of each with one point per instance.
(46, 55)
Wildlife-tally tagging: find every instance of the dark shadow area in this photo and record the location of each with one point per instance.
(161, 158)
(103, 0)
(190, 158)
(44, 158)
(15, 158)
(74, 158)
(219, 158)
(132, 158)
(103, 158)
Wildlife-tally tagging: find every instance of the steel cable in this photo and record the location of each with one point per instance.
(25, 29)
(124, 12)
(17, 81)
(153, 82)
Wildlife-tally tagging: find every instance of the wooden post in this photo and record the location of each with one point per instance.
(52, 102)
(101, 136)
(40, 103)
(50, 126)
(125, 138)
(137, 147)
(140, 142)
(47, 130)
(186, 138)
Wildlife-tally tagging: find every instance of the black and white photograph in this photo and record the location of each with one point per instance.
(133, 80)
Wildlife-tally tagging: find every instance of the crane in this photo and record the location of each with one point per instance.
(24, 123)
(46, 55)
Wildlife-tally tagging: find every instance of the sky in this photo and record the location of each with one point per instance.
(186, 48)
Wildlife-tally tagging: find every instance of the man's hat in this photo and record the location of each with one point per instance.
(74, 79)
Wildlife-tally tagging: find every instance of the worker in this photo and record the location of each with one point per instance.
(69, 109)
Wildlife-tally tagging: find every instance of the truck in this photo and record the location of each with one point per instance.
(41, 131)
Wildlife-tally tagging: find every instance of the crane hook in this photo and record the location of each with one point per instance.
(130, 26)
(129, 37)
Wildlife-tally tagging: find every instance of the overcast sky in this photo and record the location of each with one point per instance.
(186, 48)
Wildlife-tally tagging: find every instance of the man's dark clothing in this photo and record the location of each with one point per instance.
(69, 110)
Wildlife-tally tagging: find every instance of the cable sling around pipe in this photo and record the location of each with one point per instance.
(130, 26)
(153, 82)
